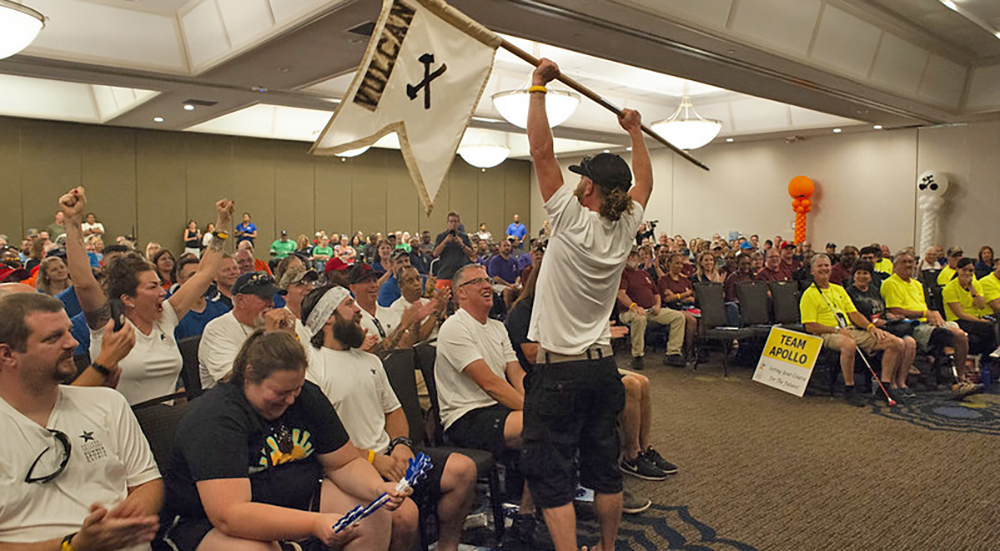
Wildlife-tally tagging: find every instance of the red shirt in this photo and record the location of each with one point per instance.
(639, 287)
(669, 288)
(767, 274)
(734, 279)
(839, 274)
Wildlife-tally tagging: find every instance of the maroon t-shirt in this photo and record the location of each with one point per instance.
(639, 287)
(767, 274)
(839, 274)
(732, 281)
(669, 287)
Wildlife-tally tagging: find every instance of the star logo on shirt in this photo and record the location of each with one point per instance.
(88, 436)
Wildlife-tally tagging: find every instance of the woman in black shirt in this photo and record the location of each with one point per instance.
(249, 455)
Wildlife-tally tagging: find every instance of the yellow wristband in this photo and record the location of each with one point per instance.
(371, 456)
(541, 89)
(67, 543)
(869, 328)
(631, 306)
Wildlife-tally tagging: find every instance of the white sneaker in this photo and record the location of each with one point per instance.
(995, 353)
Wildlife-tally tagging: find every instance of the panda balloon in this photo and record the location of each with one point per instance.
(931, 187)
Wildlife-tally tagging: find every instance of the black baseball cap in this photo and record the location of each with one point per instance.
(254, 283)
(360, 273)
(607, 170)
(398, 253)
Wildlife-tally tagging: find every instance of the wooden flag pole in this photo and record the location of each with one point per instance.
(598, 99)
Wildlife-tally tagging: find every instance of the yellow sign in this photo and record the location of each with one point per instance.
(788, 360)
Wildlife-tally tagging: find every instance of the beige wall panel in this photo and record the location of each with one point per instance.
(402, 206)
(492, 195)
(11, 223)
(464, 198)
(108, 156)
(294, 181)
(517, 198)
(368, 193)
(50, 165)
(161, 170)
(334, 194)
(436, 220)
(253, 188)
(209, 178)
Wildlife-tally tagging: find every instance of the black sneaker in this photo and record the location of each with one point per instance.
(675, 360)
(636, 364)
(633, 504)
(528, 531)
(642, 468)
(853, 397)
(655, 458)
(889, 394)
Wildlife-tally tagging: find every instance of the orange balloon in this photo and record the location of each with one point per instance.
(801, 187)
(796, 203)
(806, 203)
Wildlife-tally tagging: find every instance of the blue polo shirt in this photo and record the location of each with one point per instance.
(517, 229)
(249, 227)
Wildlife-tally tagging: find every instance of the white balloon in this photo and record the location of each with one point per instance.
(932, 182)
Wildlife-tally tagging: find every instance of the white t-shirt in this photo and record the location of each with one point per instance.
(85, 227)
(400, 305)
(109, 454)
(461, 341)
(301, 330)
(152, 367)
(356, 384)
(220, 343)
(386, 318)
(579, 279)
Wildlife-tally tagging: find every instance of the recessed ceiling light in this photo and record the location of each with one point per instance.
(837, 131)
(729, 140)
(629, 148)
(188, 107)
(607, 151)
(157, 119)
(877, 127)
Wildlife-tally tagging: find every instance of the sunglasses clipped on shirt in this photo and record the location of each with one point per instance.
(48, 466)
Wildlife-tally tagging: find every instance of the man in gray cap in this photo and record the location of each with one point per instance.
(295, 284)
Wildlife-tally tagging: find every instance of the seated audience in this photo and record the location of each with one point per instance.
(843, 269)
(788, 261)
(707, 269)
(345, 251)
(356, 384)
(151, 369)
(949, 271)
(246, 260)
(253, 308)
(929, 260)
(202, 310)
(103, 497)
(382, 263)
(388, 290)
(756, 261)
(828, 312)
(984, 264)
(868, 300)
(641, 303)
(294, 285)
(772, 270)
(870, 254)
(411, 285)
(383, 329)
(502, 268)
(676, 293)
(250, 455)
(322, 252)
(336, 272)
(904, 296)
(282, 247)
(538, 251)
(991, 287)
(91, 226)
(965, 304)
(883, 257)
(419, 257)
(165, 264)
(743, 273)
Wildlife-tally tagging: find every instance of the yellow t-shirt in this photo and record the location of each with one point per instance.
(991, 287)
(884, 266)
(953, 292)
(947, 274)
(900, 294)
(814, 309)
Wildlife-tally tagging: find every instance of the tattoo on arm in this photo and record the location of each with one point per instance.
(216, 244)
(97, 319)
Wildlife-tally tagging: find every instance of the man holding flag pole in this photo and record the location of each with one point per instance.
(574, 394)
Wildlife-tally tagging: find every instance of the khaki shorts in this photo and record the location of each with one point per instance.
(922, 333)
(866, 341)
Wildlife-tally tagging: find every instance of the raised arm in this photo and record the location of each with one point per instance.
(642, 168)
(188, 294)
(543, 155)
(92, 299)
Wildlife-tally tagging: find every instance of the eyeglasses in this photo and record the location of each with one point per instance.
(477, 281)
(67, 448)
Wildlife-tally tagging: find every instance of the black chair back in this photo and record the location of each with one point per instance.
(711, 300)
(400, 367)
(159, 424)
(426, 356)
(785, 298)
(929, 277)
(190, 374)
(753, 303)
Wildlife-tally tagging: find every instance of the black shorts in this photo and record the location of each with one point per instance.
(571, 410)
(481, 429)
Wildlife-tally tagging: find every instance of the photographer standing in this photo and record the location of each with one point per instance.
(646, 229)
(452, 248)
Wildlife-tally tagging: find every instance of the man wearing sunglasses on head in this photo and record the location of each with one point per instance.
(77, 472)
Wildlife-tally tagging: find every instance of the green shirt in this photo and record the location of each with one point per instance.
(323, 251)
(281, 249)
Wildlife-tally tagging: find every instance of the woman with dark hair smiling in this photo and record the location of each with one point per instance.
(250, 453)
(965, 304)
(165, 266)
(151, 369)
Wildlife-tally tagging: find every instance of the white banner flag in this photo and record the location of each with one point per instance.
(422, 76)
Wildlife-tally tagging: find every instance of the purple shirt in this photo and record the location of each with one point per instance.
(505, 269)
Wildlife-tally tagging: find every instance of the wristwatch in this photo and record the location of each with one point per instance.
(400, 440)
(101, 369)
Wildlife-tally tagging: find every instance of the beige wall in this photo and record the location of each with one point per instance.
(866, 187)
(153, 182)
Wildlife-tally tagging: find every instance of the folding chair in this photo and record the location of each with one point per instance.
(712, 325)
(190, 374)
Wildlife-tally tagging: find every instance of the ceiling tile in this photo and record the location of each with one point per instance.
(759, 115)
(47, 99)
(943, 82)
(985, 88)
(899, 64)
(287, 10)
(712, 12)
(845, 42)
(204, 34)
(783, 25)
(245, 19)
